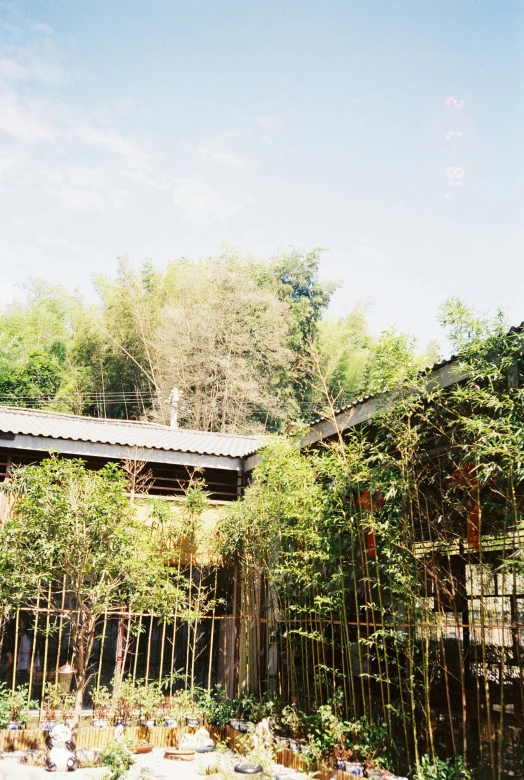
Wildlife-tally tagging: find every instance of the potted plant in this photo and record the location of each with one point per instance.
(185, 709)
(171, 715)
(217, 709)
(67, 701)
(51, 705)
(150, 701)
(19, 707)
(101, 704)
(125, 701)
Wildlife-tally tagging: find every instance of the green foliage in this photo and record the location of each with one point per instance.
(233, 334)
(52, 701)
(371, 545)
(468, 328)
(118, 759)
(436, 769)
(14, 705)
(36, 342)
(124, 700)
(75, 526)
(102, 699)
(282, 506)
(392, 360)
(229, 332)
(216, 707)
(344, 346)
(149, 699)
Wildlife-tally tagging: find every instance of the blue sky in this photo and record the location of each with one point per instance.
(161, 129)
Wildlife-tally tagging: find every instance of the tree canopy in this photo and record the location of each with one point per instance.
(248, 342)
(73, 537)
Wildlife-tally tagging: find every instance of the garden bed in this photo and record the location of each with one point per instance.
(159, 736)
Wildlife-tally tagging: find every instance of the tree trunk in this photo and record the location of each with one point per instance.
(82, 647)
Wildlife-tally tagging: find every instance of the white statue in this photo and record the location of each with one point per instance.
(61, 749)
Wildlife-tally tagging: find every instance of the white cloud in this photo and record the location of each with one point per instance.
(269, 123)
(38, 57)
(118, 198)
(8, 159)
(60, 243)
(202, 205)
(43, 27)
(134, 156)
(7, 291)
(10, 69)
(77, 199)
(217, 151)
(22, 121)
(86, 177)
(366, 251)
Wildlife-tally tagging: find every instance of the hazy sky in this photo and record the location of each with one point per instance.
(158, 128)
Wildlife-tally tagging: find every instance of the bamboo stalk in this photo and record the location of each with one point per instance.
(148, 655)
(60, 629)
(46, 645)
(212, 633)
(33, 649)
(137, 648)
(15, 654)
(102, 641)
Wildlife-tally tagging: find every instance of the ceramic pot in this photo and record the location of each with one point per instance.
(179, 754)
(355, 768)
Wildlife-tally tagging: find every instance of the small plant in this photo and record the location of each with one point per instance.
(436, 769)
(216, 707)
(208, 769)
(52, 703)
(117, 758)
(258, 751)
(291, 721)
(184, 704)
(125, 701)
(14, 705)
(102, 699)
(149, 700)
(67, 703)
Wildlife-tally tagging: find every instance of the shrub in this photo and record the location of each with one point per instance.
(436, 769)
(118, 760)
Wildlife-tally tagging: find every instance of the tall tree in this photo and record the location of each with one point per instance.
(221, 341)
(37, 367)
(294, 276)
(117, 343)
(344, 348)
(74, 528)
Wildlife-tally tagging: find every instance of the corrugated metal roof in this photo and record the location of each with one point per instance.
(128, 434)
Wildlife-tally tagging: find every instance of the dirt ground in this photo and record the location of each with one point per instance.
(153, 765)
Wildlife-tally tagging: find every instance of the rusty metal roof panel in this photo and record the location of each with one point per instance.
(124, 433)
